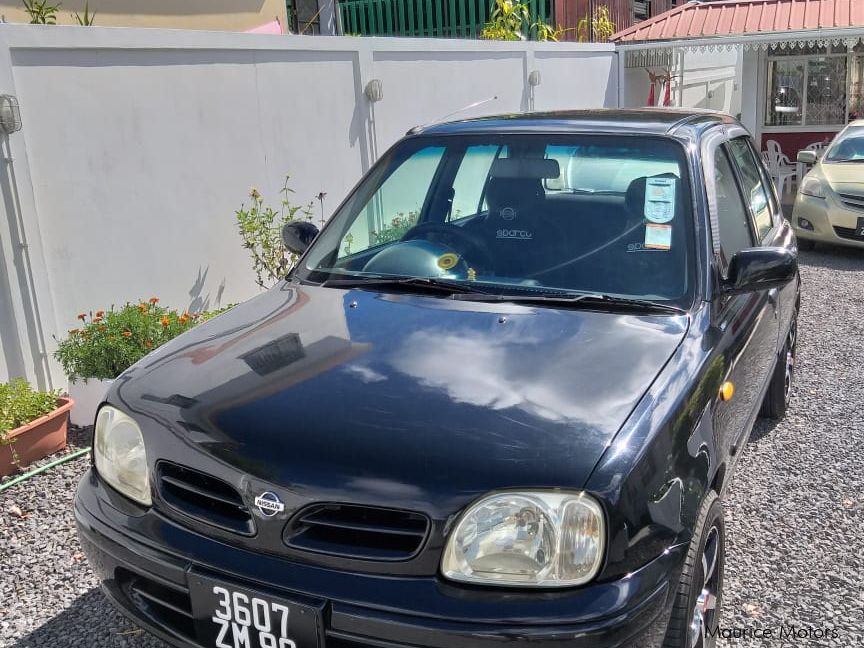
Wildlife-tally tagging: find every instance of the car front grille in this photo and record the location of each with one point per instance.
(848, 233)
(361, 532)
(852, 201)
(167, 607)
(203, 498)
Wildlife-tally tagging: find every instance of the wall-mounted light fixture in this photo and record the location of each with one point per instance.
(10, 114)
(374, 90)
(534, 78)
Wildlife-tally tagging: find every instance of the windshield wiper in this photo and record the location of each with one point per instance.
(570, 299)
(429, 284)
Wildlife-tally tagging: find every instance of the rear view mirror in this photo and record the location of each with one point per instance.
(298, 236)
(808, 157)
(760, 269)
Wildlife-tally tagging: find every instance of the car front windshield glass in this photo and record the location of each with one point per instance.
(598, 214)
(849, 147)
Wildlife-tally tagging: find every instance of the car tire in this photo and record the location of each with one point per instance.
(696, 611)
(780, 389)
(806, 244)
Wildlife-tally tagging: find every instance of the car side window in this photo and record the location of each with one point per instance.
(767, 182)
(733, 219)
(752, 185)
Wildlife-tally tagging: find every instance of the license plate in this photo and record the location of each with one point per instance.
(228, 616)
(859, 229)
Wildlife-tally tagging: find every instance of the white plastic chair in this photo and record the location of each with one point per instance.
(819, 149)
(781, 169)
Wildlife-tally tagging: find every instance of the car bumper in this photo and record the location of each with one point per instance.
(830, 221)
(143, 561)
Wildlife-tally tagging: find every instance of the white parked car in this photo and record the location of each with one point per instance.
(829, 206)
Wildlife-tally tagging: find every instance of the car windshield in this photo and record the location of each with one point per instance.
(849, 147)
(507, 214)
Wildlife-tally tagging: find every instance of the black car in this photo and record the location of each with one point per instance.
(498, 399)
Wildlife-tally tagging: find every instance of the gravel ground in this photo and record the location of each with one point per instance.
(794, 510)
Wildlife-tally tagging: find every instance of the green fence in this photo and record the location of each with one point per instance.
(435, 18)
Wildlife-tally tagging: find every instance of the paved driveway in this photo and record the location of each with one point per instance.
(795, 510)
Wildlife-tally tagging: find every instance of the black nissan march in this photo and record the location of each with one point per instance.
(498, 399)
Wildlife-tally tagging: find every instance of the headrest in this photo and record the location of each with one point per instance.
(517, 168)
(513, 193)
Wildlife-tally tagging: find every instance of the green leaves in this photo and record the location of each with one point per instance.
(260, 227)
(87, 19)
(40, 12)
(511, 21)
(20, 404)
(110, 342)
(507, 21)
(597, 28)
(395, 229)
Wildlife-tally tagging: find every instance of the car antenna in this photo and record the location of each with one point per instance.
(420, 127)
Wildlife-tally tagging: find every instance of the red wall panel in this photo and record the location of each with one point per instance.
(791, 143)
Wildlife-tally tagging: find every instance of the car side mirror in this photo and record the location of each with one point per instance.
(808, 157)
(298, 236)
(760, 269)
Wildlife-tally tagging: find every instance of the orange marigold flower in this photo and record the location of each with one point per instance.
(97, 319)
(183, 318)
(102, 329)
(100, 313)
(147, 344)
(73, 331)
(165, 321)
(127, 334)
(82, 316)
(154, 300)
(142, 307)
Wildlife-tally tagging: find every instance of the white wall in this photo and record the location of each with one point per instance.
(709, 80)
(138, 145)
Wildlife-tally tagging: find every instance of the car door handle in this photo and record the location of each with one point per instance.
(772, 296)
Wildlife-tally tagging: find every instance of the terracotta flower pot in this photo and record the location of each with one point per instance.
(88, 396)
(40, 438)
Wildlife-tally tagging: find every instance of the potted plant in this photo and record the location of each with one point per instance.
(108, 343)
(33, 424)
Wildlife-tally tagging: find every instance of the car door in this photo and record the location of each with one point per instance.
(748, 323)
(779, 234)
(770, 226)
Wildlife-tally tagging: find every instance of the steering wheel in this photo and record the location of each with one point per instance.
(469, 240)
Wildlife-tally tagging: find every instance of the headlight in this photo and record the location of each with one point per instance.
(812, 187)
(118, 451)
(531, 538)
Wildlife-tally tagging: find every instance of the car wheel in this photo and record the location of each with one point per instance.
(696, 612)
(780, 389)
(806, 244)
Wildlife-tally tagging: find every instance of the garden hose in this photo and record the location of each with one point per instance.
(41, 469)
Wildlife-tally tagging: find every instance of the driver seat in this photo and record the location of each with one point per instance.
(517, 235)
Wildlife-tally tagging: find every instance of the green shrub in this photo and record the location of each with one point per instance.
(40, 12)
(260, 228)
(396, 229)
(20, 404)
(110, 342)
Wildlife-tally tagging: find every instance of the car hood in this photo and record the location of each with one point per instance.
(366, 395)
(844, 174)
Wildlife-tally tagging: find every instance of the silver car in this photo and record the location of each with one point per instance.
(829, 206)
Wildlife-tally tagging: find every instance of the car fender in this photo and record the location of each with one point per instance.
(665, 459)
